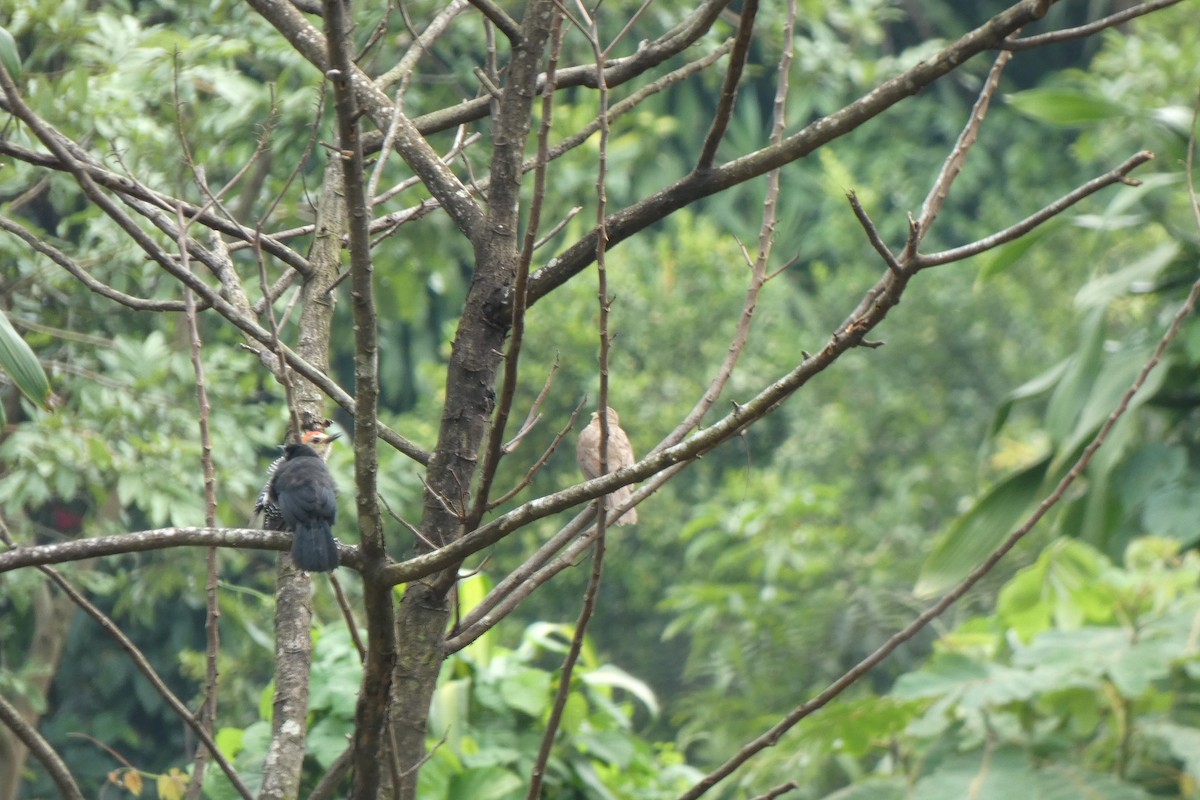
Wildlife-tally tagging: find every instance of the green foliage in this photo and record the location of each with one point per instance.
(1086, 675)
(486, 723)
(21, 365)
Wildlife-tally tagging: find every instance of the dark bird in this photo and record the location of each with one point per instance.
(302, 492)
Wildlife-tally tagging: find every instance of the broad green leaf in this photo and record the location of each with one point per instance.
(614, 747)
(1074, 388)
(18, 360)
(1063, 587)
(978, 532)
(490, 783)
(575, 713)
(471, 591)
(1183, 741)
(229, 741)
(1034, 387)
(609, 675)
(1064, 781)
(1064, 107)
(326, 739)
(1171, 512)
(945, 673)
(527, 691)
(856, 726)
(1149, 469)
(449, 711)
(10, 57)
(1005, 257)
(1099, 396)
(1101, 291)
(988, 775)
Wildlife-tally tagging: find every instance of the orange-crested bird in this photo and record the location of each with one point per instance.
(300, 497)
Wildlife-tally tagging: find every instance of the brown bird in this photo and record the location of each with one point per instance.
(620, 454)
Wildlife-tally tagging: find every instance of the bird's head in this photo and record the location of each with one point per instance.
(319, 440)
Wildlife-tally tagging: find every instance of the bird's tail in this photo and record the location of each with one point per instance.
(617, 498)
(313, 548)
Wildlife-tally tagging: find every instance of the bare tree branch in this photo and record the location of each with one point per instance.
(156, 539)
(80, 274)
(434, 29)
(1118, 175)
(128, 187)
(958, 155)
(733, 74)
(41, 750)
(616, 72)
(139, 661)
(624, 223)
(498, 17)
(871, 310)
(1067, 34)
(410, 144)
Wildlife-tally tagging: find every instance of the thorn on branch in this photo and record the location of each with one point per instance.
(870, 343)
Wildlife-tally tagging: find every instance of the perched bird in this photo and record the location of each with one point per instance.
(301, 497)
(620, 454)
(318, 440)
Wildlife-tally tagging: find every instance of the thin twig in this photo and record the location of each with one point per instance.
(1118, 175)
(629, 23)
(500, 18)
(958, 154)
(83, 276)
(421, 44)
(208, 710)
(541, 462)
(872, 232)
(758, 271)
(1090, 28)
(535, 410)
(127, 187)
(348, 616)
(733, 74)
(538, 770)
(143, 666)
(408, 526)
(778, 791)
(41, 750)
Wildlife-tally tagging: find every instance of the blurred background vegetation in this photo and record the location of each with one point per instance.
(774, 564)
